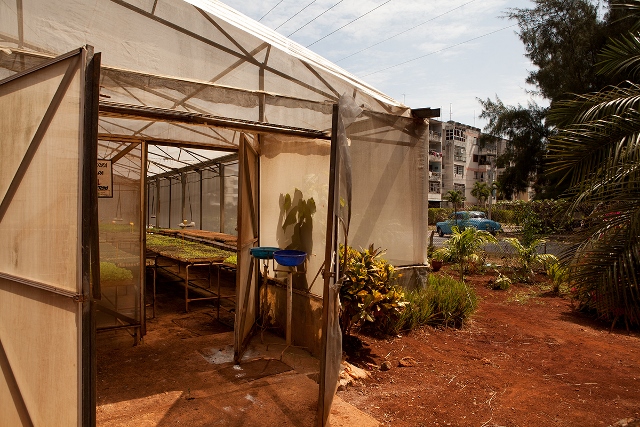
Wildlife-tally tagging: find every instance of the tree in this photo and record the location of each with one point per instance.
(455, 197)
(527, 133)
(463, 246)
(562, 38)
(597, 150)
(481, 191)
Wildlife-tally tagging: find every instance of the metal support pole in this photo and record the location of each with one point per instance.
(289, 305)
(183, 181)
(221, 174)
(200, 177)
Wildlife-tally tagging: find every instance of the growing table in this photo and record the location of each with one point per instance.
(177, 254)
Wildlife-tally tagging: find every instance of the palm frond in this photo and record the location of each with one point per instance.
(632, 7)
(597, 146)
(621, 56)
(604, 261)
(604, 131)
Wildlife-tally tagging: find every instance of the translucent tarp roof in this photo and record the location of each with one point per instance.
(203, 58)
(201, 41)
(196, 56)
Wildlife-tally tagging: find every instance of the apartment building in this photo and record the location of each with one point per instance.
(456, 162)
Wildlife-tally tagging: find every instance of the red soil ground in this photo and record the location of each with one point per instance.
(526, 358)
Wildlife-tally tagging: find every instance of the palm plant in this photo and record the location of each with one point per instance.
(597, 149)
(456, 198)
(529, 257)
(463, 246)
(481, 191)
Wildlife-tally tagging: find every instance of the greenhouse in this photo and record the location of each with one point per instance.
(122, 120)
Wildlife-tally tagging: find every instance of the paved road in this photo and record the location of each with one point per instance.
(554, 248)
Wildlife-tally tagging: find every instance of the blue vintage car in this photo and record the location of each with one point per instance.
(464, 219)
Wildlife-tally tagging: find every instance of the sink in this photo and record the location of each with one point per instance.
(290, 258)
(263, 252)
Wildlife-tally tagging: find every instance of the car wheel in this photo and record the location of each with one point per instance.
(440, 232)
(491, 230)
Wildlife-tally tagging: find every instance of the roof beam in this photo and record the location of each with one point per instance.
(112, 109)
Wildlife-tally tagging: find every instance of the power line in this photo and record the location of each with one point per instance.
(295, 14)
(441, 50)
(405, 31)
(349, 23)
(315, 18)
(270, 10)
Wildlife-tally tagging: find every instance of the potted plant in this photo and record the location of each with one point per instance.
(438, 257)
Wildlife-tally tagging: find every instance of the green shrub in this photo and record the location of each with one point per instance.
(438, 215)
(558, 274)
(529, 258)
(443, 302)
(542, 217)
(503, 216)
(502, 282)
(465, 247)
(368, 293)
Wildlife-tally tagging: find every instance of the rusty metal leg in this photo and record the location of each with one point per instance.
(136, 336)
(186, 290)
(289, 306)
(219, 299)
(155, 272)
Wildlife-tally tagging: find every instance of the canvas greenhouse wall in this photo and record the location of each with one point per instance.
(199, 73)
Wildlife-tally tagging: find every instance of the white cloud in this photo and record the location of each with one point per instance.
(452, 59)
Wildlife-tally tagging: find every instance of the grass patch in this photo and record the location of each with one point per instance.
(522, 297)
(443, 302)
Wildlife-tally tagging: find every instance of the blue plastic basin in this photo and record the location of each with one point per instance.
(263, 252)
(289, 258)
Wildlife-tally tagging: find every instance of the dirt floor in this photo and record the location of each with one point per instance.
(182, 373)
(525, 359)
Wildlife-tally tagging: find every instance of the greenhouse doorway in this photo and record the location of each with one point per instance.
(191, 228)
(169, 218)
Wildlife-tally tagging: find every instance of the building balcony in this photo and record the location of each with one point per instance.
(435, 176)
(435, 156)
(434, 197)
(435, 136)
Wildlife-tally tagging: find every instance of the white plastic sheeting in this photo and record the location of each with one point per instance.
(119, 226)
(44, 200)
(206, 62)
(203, 41)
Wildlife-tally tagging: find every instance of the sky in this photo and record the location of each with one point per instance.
(424, 53)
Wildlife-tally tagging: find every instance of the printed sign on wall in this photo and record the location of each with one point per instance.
(105, 179)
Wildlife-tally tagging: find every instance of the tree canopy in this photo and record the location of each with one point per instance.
(597, 150)
(527, 133)
(481, 191)
(563, 39)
